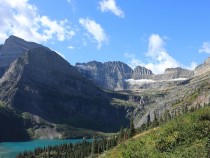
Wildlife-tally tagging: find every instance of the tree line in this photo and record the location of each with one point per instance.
(86, 148)
(99, 145)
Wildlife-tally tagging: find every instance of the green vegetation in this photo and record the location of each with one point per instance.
(84, 149)
(187, 101)
(1, 104)
(69, 150)
(121, 102)
(72, 132)
(183, 137)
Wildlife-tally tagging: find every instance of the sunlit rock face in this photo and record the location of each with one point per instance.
(108, 75)
(203, 68)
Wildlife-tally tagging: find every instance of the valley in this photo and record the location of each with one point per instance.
(55, 100)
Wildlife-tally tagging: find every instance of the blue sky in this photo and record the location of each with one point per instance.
(154, 34)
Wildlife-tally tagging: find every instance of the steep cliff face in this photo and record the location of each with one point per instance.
(109, 75)
(203, 68)
(13, 48)
(141, 73)
(171, 77)
(119, 76)
(174, 73)
(43, 84)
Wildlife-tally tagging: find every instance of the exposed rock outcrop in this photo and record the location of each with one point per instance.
(119, 76)
(109, 75)
(141, 73)
(174, 73)
(203, 68)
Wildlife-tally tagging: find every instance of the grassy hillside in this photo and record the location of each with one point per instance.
(185, 136)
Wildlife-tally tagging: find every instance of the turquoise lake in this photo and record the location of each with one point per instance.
(11, 149)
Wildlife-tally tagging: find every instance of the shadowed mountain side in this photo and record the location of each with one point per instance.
(43, 83)
(11, 121)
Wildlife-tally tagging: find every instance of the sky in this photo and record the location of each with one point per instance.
(156, 34)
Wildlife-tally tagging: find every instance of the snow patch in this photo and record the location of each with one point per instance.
(141, 81)
(144, 81)
(178, 79)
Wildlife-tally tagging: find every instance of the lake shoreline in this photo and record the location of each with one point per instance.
(11, 149)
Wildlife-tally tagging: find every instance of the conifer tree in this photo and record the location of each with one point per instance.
(132, 128)
(93, 147)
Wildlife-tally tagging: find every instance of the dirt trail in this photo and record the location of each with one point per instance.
(145, 132)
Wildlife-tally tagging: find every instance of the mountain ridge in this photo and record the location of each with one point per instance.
(42, 84)
(104, 76)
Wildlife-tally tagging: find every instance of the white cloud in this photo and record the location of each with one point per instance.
(22, 19)
(133, 61)
(205, 48)
(159, 59)
(192, 66)
(71, 47)
(110, 5)
(95, 30)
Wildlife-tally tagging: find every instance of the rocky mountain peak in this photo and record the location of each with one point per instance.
(179, 72)
(175, 73)
(109, 75)
(141, 73)
(172, 70)
(13, 48)
(15, 45)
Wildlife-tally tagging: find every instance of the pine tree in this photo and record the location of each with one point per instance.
(121, 134)
(132, 128)
(93, 147)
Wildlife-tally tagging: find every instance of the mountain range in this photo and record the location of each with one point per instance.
(43, 96)
(119, 76)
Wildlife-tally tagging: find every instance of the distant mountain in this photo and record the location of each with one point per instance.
(174, 73)
(119, 76)
(109, 75)
(203, 68)
(141, 73)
